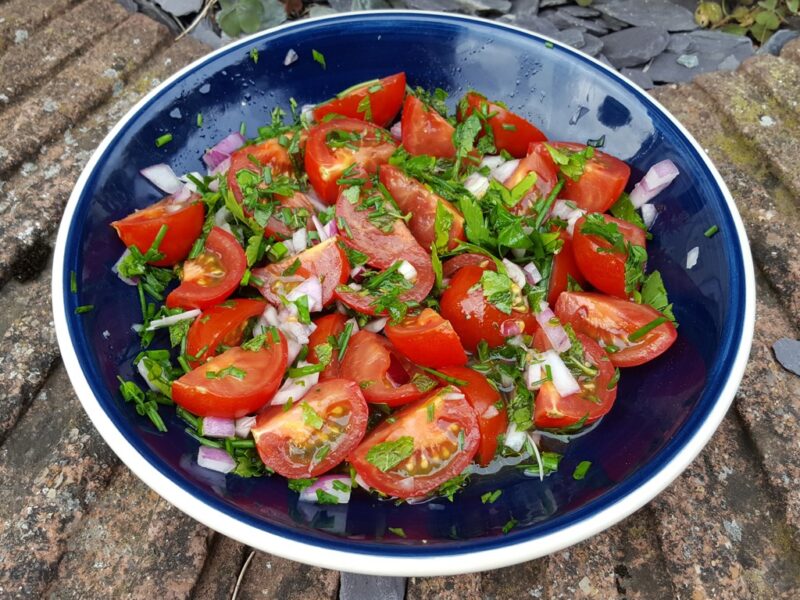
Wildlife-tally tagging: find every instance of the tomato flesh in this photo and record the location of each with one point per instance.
(610, 321)
(213, 275)
(604, 179)
(451, 265)
(294, 447)
(539, 161)
(220, 325)
(385, 375)
(445, 439)
(327, 326)
(184, 221)
(428, 340)
(511, 132)
(385, 98)
(564, 266)
(424, 131)
(233, 384)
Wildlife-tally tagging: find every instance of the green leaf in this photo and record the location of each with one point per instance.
(311, 417)
(319, 58)
(497, 290)
(623, 209)
(387, 455)
(442, 224)
(634, 267)
(654, 294)
(581, 470)
(298, 485)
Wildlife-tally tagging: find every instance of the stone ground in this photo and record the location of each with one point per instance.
(74, 522)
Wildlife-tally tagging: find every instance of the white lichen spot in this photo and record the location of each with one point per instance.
(724, 472)
(167, 62)
(50, 105)
(28, 168)
(3, 98)
(52, 171)
(766, 121)
(136, 41)
(3, 153)
(586, 586)
(110, 73)
(733, 529)
(20, 35)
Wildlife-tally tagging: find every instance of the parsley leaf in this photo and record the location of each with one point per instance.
(623, 209)
(654, 294)
(398, 531)
(497, 290)
(319, 57)
(298, 485)
(311, 417)
(581, 469)
(571, 164)
(634, 267)
(387, 455)
(442, 225)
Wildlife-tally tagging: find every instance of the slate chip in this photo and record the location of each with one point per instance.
(787, 352)
(652, 13)
(777, 41)
(635, 45)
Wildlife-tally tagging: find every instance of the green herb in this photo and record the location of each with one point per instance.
(548, 44)
(73, 282)
(242, 128)
(341, 486)
(612, 383)
(645, 329)
(550, 462)
(572, 285)
(179, 331)
(490, 497)
(422, 382)
(163, 139)
(654, 294)
(464, 138)
(324, 497)
(634, 267)
(452, 486)
(431, 410)
(311, 417)
(623, 209)
(711, 231)
(435, 100)
(145, 404)
(365, 107)
(436, 265)
(509, 127)
(79, 310)
(229, 371)
(398, 531)
(298, 485)
(497, 290)
(324, 353)
(255, 248)
(255, 344)
(199, 119)
(595, 224)
(344, 339)
(303, 371)
(581, 469)
(442, 225)
(321, 453)
(319, 57)
(254, 55)
(443, 377)
(571, 164)
(387, 455)
(512, 522)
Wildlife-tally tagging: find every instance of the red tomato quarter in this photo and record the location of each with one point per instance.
(451, 265)
(428, 340)
(334, 146)
(603, 180)
(421, 447)
(385, 375)
(220, 325)
(184, 221)
(539, 161)
(327, 326)
(316, 433)
(488, 406)
(511, 132)
(611, 320)
(424, 131)
(213, 275)
(564, 266)
(385, 98)
(233, 384)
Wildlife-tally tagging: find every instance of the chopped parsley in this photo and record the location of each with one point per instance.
(254, 55)
(163, 139)
(319, 58)
(311, 417)
(229, 371)
(298, 485)
(79, 310)
(497, 290)
(623, 209)
(388, 455)
(711, 231)
(324, 497)
(581, 470)
(645, 329)
(512, 522)
(490, 497)
(571, 164)
(654, 294)
(398, 531)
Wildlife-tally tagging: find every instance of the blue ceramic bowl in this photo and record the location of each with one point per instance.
(665, 412)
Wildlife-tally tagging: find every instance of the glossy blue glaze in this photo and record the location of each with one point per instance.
(569, 97)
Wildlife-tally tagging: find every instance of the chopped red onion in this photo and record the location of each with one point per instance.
(223, 149)
(504, 171)
(312, 288)
(492, 161)
(217, 427)
(649, 214)
(300, 240)
(490, 412)
(476, 184)
(356, 271)
(163, 177)
(115, 269)
(453, 396)
(407, 270)
(221, 168)
(533, 376)
(510, 328)
(172, 319)
(514, 272)
(532, 274)
(397, 131)
(563, 380)
(657, 178)
(182, 195)
(291, 56)
(294, 388)
(692, 256)
(376, 325)
(552, 328)
(321, 231)
(215, 459)
(514, 439)
(326, 484)
(243, 426)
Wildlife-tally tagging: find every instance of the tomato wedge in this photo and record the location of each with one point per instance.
(511, 132)
(597, 395)
(316, 433)
(488, 406)
(385, 98)
(184, 221)
(385, 375)
(414, 198)
(450, 266)
(604, 179)
(564, 266)
(326, 260)
(421, 447)
(331, 325)
(472, 316)
(425, 131)
(428, 340)
(610, 321)
(213, 275)
(233, 384)
(334, 146)
(600, 265)
(539, 161)
(220, 325)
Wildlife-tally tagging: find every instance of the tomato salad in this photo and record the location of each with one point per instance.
(376, 292)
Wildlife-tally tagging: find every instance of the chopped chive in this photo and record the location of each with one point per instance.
(79, 310)
(199, 119)
(184, 414)
(509, 127)
(73, 282)
(319, 57)
(204, 441)
(398, 531)
(344, 339)
(711, 231)
(443, 377)
(643, 331)
(581, 469)
(548, 44)
(254, 55)
(431, 409)
(490, 497)
(163, 139)
(242, 128)
(512, 522)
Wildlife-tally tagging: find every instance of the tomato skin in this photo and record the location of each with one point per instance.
(553, 411)
(383, 373)
(325, 166)
(424, 131)
(276, 427)
(384, 103)
(604, 270)
(413, 197)
(450, 266)
(227, 255)
(539, 161)
(611, 320)
(229, 397)
(434, 437)
(326, 260)
(428, 340)
(141, 227)
(564, 266)
(514, 141)
(604, 179)
(483, 399)
(329, 325)
(220, 325)
(472, 316)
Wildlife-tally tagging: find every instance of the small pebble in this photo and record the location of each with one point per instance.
(766, 121)
(690, 61)
(787, 353)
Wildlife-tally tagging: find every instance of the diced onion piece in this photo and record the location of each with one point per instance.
(397, 131)
(163, 177)
(172, 319)
(657, 178)
(538, 456)
(146, 376)
(514, 272)
(321, 231)
(356, 271)
(407, 270)
(453, 396)
(691, 257)
(307, 113)
(533, 376)
(532, 274)
(315, 200)
(243, 425)
(291, 56)
(552, 328)
(312, 288)
(300, 240)
(649, 214)
(326, 484)
(221, 168)
(514, 439)
(217, 427)
(505, 170)
(294, 388)
(511, 328)
(476, 184)
(115, 268)
(215, 459)
(492, 161)
(490, 412)
(182, 195)
(562, 209)
(563, 380)
(223, 149)
(188, 183)
(376, 325)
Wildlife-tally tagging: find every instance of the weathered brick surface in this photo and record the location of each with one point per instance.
(268, 576)
(24, 16)
(221, 570)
